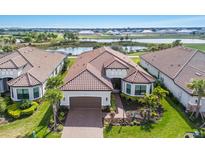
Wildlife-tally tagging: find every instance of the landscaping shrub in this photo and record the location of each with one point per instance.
(8, 100)
(30, 110)
(15, 111)
(3, 106)
(25, 104)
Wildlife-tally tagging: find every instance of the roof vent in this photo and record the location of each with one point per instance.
(179, 65)
(39, 66)
(198, 74)
(171, 65)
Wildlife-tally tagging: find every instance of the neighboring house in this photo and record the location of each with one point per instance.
(97, 73)
(25, 71)
(176, 67)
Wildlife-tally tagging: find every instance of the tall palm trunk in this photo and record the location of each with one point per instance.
(54, 116)
(198, 107)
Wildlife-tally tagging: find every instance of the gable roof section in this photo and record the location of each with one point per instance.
(24, 80)
(86, 81)
(116, 64)
(139, 77)
(90, 66)
(192, 64)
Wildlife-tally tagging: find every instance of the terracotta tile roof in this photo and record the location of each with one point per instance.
(192, 64)
(24, 80)
(90, 66)
(8, 64)
(169, 61)
(36, 62)
(139, 77)
(116, 64)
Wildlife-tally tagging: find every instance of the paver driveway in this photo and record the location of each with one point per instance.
(83, 123)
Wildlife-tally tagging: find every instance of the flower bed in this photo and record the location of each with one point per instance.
(136, 110)
(15, 110)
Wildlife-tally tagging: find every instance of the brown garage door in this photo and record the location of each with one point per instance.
(85, 102)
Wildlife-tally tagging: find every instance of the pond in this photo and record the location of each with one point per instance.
(79, 50)
(70, 50)
(186, 41)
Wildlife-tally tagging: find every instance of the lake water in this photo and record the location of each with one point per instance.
(186, 41)
(79, 50)
(70, 50)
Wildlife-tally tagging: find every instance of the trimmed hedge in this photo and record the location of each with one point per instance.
(15, 112)
(30, 110)
(129, 98)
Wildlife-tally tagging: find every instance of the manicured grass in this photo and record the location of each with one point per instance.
(72, 61)
(196, 46)
(136, 53)
(136, 60)
(24, 127)
(173, 124)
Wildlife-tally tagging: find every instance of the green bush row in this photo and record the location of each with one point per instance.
(15, 112)
(129, 98)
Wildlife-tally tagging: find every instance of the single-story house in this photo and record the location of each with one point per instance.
(176, 67)
(24, 72)
(98, 73)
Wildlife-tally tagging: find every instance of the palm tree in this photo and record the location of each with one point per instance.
(198, 87)
(160, 93)
(150, 102)
(54, 96)
(54, 82)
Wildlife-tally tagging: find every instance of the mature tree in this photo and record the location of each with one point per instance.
(66, 64)
(176, 43)
(69, 36)
(160, 93)
(7, 48)
(54, 96)
(198, 87)
(27, 39)
(153, 48)
(126, 37)
(54, 82)
(121, 38)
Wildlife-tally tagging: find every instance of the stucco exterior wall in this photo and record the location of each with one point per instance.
(152, 70)
(10, 73)
(105, 96)
(116, 73)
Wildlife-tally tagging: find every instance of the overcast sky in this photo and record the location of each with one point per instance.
(101, 21)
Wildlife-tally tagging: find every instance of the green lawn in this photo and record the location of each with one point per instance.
(196, 46)
(173, 124)
(24, 127)
(136, 60)
(136, 53)
(72, 61)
